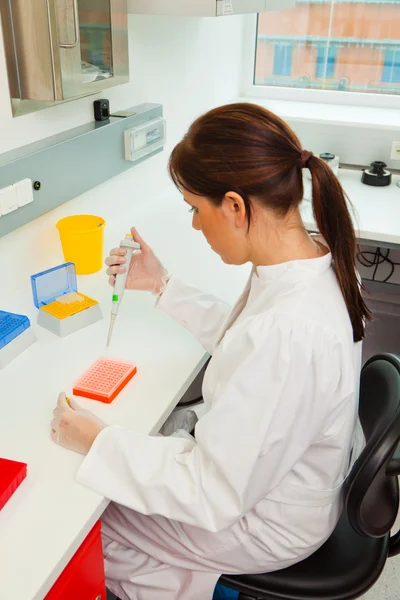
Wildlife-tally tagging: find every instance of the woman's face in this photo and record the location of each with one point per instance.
(224, 226)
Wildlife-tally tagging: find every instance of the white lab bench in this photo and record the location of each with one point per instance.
(375, 212)
(49, 516)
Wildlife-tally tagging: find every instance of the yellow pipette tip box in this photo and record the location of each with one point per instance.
(62, 309)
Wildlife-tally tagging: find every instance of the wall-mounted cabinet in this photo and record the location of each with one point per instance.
(57, 50)
(206, 8)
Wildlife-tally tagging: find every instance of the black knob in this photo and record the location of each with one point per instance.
(378, 167)
(327, 156)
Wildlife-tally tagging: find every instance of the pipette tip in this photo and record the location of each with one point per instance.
(110, 331)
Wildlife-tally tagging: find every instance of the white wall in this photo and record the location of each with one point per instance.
(187, 64)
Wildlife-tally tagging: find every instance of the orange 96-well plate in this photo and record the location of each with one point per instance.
(104, 380)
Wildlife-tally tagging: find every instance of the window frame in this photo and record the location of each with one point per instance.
(343, 98)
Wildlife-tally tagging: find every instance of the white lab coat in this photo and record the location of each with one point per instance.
(259, 487)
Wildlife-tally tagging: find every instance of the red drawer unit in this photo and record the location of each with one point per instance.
(12, 475)
(83, 577)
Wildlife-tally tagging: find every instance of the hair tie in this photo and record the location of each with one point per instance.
(304, 158)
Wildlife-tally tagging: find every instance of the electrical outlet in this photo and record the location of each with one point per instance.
(8, 200)
(24, 192)
(395, 153)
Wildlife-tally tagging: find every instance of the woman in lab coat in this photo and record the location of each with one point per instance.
(258, 486)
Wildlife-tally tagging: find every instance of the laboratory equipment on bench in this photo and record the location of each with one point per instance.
(16, 335)
(62, 309)
(104, 380)
(82, 241)
(331, 160)
(377, 176)
(131, 248)
(12, 474)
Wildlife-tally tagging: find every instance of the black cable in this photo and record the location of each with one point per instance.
(392, 267)
(378, 262)
(190, 402)
(377, 259)
(381, 259)
(362, 256)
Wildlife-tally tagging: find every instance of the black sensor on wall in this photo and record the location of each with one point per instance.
(101, 109)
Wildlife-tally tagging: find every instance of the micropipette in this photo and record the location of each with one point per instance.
(131, 248)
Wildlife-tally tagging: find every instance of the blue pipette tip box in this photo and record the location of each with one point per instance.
(49, 285)
(11, 326)
(16, 335)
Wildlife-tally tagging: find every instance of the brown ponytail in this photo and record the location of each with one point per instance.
(334, 222)
(247, 149)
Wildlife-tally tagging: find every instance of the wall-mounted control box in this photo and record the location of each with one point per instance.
(145, 139)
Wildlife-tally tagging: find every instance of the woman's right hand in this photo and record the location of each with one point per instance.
(146, 271)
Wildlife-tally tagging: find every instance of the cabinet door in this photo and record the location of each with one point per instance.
(93, 45)
(61, 49)
(30, 41)
(83, 577)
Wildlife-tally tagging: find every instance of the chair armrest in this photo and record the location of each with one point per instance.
(394, 469)
(394, 545)
(394, 465)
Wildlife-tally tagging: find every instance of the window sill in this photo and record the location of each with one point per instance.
(332, 114)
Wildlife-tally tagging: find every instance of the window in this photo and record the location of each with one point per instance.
(283, 60)
(325, 63)
(391, 68)
(342, 45)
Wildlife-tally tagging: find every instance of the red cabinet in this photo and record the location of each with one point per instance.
(83, 577)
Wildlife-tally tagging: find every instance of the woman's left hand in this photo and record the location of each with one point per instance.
(73, 427)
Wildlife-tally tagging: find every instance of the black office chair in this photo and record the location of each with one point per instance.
(353, 558)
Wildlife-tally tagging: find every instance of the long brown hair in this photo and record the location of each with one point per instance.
(247, 149)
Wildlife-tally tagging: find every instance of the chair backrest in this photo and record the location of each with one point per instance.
(371, 495)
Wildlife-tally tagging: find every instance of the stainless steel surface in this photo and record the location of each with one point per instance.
(47, 42)
(24, 107)
(70, 163)
(107, 20)
(9, 47)
(31, 69)
(67, 13)
(110, 330)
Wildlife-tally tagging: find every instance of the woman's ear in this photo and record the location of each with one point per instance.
(235, 208)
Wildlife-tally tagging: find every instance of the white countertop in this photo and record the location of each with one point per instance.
(49, 516)
(375, 212)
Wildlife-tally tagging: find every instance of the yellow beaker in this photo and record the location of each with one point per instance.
(82, 240)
